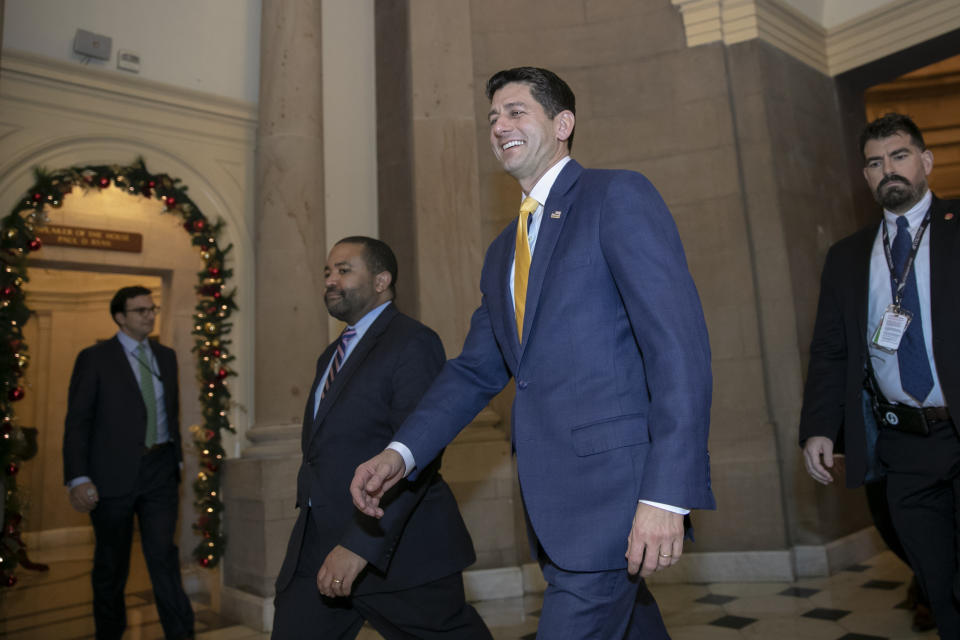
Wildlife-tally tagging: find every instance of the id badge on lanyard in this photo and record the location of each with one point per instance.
(895, 320)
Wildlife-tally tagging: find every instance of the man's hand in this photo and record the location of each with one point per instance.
(338, 571)
(84, 497)
(655, 541)
(813, 449)
(373, 478)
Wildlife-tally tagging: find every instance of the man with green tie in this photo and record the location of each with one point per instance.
(122, 456)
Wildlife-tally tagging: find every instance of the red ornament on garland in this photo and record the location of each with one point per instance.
(35, 244)
(8, 291)
(215, 353)
(15, 394)
(199, 225)
(170, 201)
(213, 271)
(104, 182)
(152, 184)
(37, 197)
(12, 469)
(205, 561)
(10, 580)
(223, 373)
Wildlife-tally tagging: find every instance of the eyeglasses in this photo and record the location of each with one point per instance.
(144, 310)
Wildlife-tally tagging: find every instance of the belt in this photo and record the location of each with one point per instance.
(909, 419)
(157, 447)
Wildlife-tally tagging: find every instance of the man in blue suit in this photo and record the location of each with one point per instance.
(588, 304)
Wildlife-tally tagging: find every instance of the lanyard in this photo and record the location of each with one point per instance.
(901, 282)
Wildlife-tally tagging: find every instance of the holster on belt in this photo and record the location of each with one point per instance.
(898, 417)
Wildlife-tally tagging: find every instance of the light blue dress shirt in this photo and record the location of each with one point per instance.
(886, 365)
(361, 328)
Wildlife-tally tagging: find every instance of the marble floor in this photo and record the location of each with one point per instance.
(863, 602)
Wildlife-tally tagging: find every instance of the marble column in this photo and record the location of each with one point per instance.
(291, 321)
(430, 214)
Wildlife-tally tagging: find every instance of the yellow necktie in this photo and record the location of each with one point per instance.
(521, 267)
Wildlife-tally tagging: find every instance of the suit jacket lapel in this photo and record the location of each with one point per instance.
(860, 272)
(501, 306)
(357, 356)
(559, 200)
(120, 362)
(944, 261)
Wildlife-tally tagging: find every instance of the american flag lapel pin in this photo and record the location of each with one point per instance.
(555, 215)
(948, 216)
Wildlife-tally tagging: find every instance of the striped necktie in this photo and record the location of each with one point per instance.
(521, 267)
(345, 338)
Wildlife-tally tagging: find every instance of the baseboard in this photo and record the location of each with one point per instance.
(827, 559)
(65, 537)
(246, 608)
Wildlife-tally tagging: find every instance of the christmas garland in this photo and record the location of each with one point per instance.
(18, 238)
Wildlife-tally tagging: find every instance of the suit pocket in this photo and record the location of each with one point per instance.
(597, 437)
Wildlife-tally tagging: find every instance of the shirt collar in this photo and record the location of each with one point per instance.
(364, 323)
(129, 344)
(914, 215)
(541, 190)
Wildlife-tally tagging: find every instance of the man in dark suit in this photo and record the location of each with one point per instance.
(588, 304)
(122, 456)
(887, 391)
(401, 573)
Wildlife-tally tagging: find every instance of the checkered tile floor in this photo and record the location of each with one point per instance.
(864, 602)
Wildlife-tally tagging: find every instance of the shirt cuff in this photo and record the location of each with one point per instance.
(404, 452)
(78, 481)
(667, 507)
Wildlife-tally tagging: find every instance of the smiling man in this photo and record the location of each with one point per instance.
(401, 573)
(884, 372)
(587, 303)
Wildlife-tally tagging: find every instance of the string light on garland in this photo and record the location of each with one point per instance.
(212, 326)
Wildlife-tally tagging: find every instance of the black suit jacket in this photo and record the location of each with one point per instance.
(106, 422)
(832, 404)
(421, 536)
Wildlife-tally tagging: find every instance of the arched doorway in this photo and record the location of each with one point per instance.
(42, 214)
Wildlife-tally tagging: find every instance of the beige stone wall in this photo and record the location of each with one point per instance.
(740, 144)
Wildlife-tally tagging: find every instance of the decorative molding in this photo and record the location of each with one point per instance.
(832, 51)
(108, 83)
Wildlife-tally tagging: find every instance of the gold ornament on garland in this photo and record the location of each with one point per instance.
(18, 238)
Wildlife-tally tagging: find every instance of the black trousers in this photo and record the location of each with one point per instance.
(154, 502)
(923, 490)
(436, 610)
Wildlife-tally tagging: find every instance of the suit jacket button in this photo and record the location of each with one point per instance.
(522, 384)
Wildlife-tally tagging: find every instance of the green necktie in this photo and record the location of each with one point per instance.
(149, 395)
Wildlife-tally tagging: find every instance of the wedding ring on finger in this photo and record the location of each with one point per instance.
(337, 580)
(665, 555)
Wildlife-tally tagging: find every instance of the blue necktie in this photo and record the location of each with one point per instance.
(915, 376)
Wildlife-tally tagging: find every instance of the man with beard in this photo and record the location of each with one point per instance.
(885, 359)
(401, 573)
